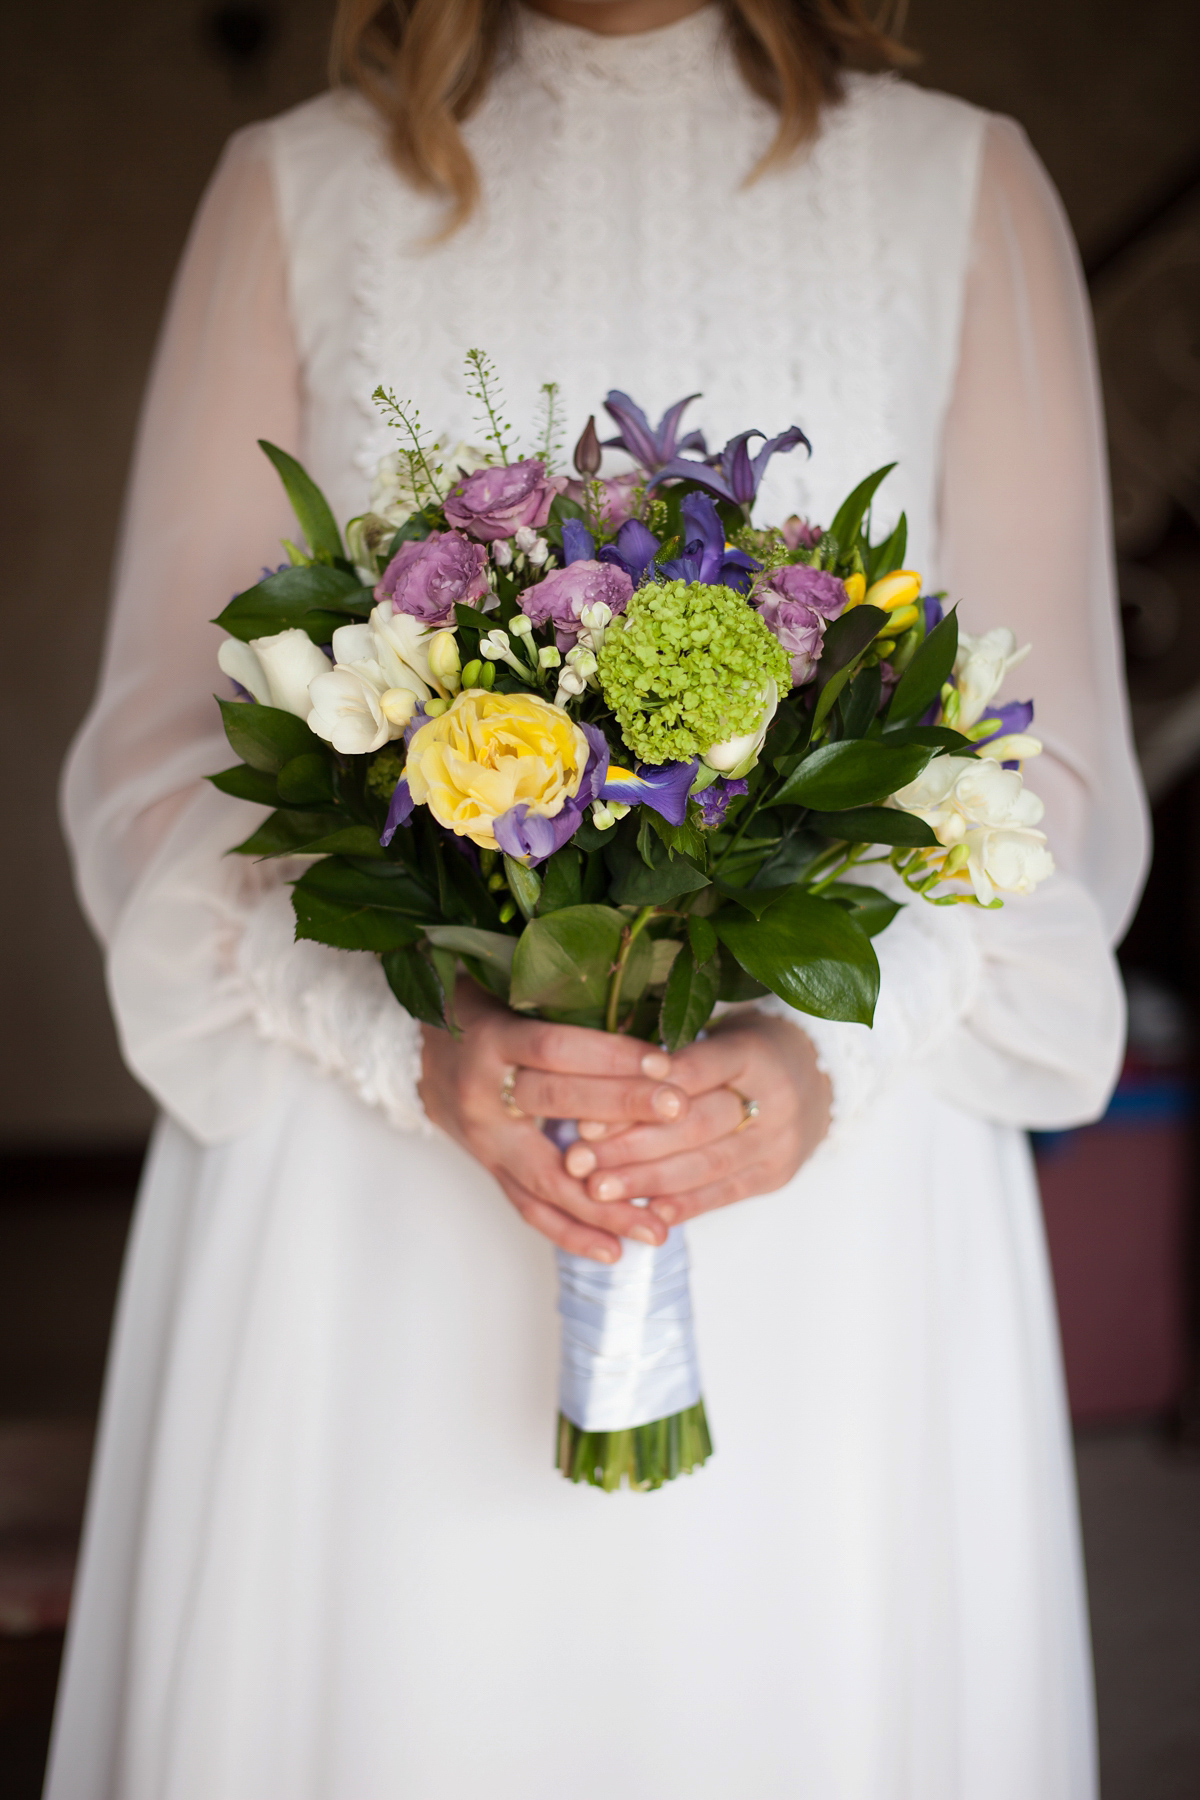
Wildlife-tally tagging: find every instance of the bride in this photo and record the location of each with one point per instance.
(327, 1556)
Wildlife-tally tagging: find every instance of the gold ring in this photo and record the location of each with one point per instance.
(749, 1110)
(508, 1099)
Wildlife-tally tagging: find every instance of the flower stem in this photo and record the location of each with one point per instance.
(630, 933)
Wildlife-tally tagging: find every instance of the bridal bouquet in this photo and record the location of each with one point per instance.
(618, 752)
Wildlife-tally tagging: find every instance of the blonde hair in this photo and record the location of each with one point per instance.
(425, 65)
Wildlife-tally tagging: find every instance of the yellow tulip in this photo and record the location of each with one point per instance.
(901, 619)
(856, 587)
(900, 588)
(489, 752)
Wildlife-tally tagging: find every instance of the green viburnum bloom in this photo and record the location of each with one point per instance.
(687, 667)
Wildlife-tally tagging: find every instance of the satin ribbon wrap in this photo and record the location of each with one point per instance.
(628, 1340)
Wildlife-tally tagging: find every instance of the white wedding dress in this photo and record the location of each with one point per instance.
(327, 1556)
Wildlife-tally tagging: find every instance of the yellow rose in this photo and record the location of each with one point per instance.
(489, 752)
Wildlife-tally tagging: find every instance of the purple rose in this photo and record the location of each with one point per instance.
(564, 593)
(795, 603)
(428, 577)
(495, 503)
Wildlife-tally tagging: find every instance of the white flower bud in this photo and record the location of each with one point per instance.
(495, 646)
(582, 661)
(538, 551)
(398, 705)
(549, 657)
(445, 664)
(525, 537)
(520, 626)
(501, 553)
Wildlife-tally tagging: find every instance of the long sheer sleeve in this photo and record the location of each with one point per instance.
(1018, 1015)
(211, 996)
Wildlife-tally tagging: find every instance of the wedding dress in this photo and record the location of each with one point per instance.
(326, 1554)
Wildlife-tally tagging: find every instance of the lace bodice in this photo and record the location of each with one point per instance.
(904, 290)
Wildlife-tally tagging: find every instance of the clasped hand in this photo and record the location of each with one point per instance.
(665, 1129)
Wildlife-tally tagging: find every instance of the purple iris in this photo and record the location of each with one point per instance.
(532, 839)
(399, 811)
(734, 474)
(714, 802)
(705, 555)
(663, 787)
(651, 448)
(634, 550)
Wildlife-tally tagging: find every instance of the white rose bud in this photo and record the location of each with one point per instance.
(277, 670)
(502, 553)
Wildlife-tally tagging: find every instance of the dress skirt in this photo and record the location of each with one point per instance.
(327, 1555)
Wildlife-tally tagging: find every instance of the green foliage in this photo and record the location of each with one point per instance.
(265, 736)
(875, 825)
(847, 521)
(853, 773)
(809, 951)
(653, 878)
(922, 681)
(420, 459)
(357, 907)
(690, 995)
(416, 984)
(245, 783)
(866, 905)
(307, 780)
(562, 963)
(308, 503)
(288, 833)
(562, 883)
(524, 886)
(845, 641)
(316, 599)
(483, 385)
(491, 951)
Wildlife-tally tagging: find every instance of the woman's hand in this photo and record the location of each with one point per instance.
(562, 1072)
(708, 1156)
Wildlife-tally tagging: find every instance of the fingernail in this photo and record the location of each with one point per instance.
(591, 1128)
(605, 1255)
(609, 1187)
(666, 1103)
(656, 1064)
(642, 1235)
(580, 1160)
(666, 1212)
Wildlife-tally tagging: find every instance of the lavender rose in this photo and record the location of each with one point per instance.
(495, 502)
(795, 603)
(564, 593)
(429, 577)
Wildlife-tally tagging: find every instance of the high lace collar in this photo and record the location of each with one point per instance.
(569, 56)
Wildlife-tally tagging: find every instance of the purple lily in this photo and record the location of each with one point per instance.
(706, 556)
(734, 475)
(1013, 716)
(649, 447)
(532, 839)
(714, 802)
(663, 787)
(634, 550)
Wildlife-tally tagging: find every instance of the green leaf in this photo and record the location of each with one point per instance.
(866, 905)
(315, 599)
(287, 833)
(562, 963)
(494, 949)
(524, 886)
(791, 861)
(264, 736)
(941, 737)
(561, 881)
(637, 973)
(845, 641)
(307, 780)
(922, 681)
(687, 838)
(753, 900)
(875, 825)
(245, 783)
(890, 554)
(736, 985)
(808, 951)
(847, 521)
(690, 997)
(635, 884)
(702, 938)
(349, 927)
(860, 702)
(308, 502)
(362, 907)
(346, 840)
(416, 985)
(854, 773)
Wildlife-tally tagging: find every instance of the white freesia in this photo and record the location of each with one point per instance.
(980, 668)
(989, 811)
(391, 650)
(392, 493)
(1017, 746)
(347, 713)
(277, 670)
(736, 756)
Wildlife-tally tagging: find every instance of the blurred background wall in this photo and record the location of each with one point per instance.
(114, 114)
